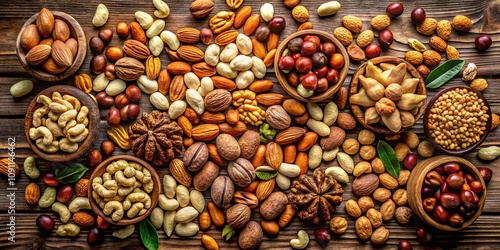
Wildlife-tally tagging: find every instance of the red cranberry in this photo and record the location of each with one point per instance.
(322, 237)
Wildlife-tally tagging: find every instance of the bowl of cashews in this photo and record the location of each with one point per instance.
(124, 190)
(62, 123)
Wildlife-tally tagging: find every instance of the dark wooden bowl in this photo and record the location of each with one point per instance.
(76, 32)
(125, 221)
(461, 151)
(416, 180)
(93, 126)
(292, 90)
(353, 89)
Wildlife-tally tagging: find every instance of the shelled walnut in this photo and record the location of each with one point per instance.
(316, 196)
(155, 138)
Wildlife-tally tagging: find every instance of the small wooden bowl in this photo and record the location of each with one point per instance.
(292, 90)
(353, 89)
(125, 221)
(461, 151)
(416, 180)
(93, 126)
(76, 32)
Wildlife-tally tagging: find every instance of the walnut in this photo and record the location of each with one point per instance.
(155, 138)
(316, 196)
(470, 72)
(385, 106)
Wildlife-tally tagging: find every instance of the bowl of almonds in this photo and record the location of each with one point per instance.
(51, 46)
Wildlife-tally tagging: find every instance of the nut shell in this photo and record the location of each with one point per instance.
(365, 184)
(277, 117)
(218, 100)
(196, 156)
(129, 69)
(228, 147)
(249, 142)
(206, 176)
(241, 172)
(273, 205)
(238, 215)
(222, 191)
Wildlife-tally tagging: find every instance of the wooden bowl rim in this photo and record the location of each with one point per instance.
(77, 33)
(292, 91)
(416, 181)
(353, 89)
(93, 126)
(465, 150)
(99, 170)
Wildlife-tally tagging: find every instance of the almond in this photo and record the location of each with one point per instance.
(191, 115)
(269, 99)
(186, 125)
(341, 97)
(52, 67)
(221, 82)
(202, 69)
(365, 184)
(30, 37)
(201, 8)
(137, 32)
(32, 194)
(61, 30)
(61, 54)
(178, 68)
(190, 53)
(177, 89)
(274, 155)
(213, 118)
(269, 59)
(172, 54)
(235, 130)
(294, 107)
(72, 45)
(241, 16)
(264, 189)
(261, 86)
(136, 49)
(258, 49)
(226, 37)
(45, 22)
(188, 35)
(272, 41)
(310, 138)
(215, 156)
(251, 24)
(205, 132)
(289, 135)
(180, 173)
(305, 26)
(38, 54)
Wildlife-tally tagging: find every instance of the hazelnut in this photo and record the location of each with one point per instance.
(122, 30)
(423, 70)
(461, 23)
(403, 214)
(94, 158)
(338, 225)
(394, 91)
(378, 166)
(300, 13)
(479, 84)
(107, 147)
(411, 139)
(385, 106)
(366, 137)
(425, 149)
(350, 146)
(432, 57)
(365, 203)
(367, 152)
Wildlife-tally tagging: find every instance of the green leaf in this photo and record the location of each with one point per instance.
(228, 232)
(71, 173)
(149, 235)
(388, 156)
(263, 175)
(444, 73)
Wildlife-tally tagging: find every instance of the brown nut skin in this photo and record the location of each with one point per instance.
(196, 156)
(222, 191)
(273, 205)
(228, 147)
(238, 215)
(334, 139)
(249, 142)
(403, 214)
(241, 172)
(365, 184)
(94, 158)
(206, 176)
(251, 236)
(107, 147)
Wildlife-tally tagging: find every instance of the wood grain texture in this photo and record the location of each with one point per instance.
(483, 234)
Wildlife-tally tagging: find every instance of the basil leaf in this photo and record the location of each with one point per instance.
(228, 232)
(71, 173)
(266, 175)
(444, 73)
(149, 235)
(388, 156)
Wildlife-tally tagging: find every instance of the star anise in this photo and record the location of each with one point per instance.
(155, 138)
(316, 196)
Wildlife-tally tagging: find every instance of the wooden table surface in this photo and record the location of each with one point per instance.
(484, 234)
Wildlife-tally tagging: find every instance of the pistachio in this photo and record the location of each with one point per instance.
(416, 45)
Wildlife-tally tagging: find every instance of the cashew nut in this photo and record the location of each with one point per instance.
(129, 171)
(56, 95)
(135, 209)
(148, 187)
(84, 111)
(75, 102)
(167, 204)
(68, 146)
(80, 137)
(57, 108)
(123, 191)
(135, 165)
(45, 100)
(114, 207)
(106, 177)
(124, 232)
(44, 132)
(69, 229)
(116, 166)
(156, 217)
(76, 130)
(106, 190)
(52, 148)
(48, 197)
(98, 199)
(86, 121)
(30, 168)
(66, 117)
(169, 222)
(69, 125)
(147, 175)
(302, 240)
(137, 197)
(124, 181)
(138, 184)
(59, 100)
(38, 114)
(114, 198)
(54, 128)
(53, 115)
(79, 203)
(62, 210)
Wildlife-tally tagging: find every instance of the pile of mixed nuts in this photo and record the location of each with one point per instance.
(224, 134)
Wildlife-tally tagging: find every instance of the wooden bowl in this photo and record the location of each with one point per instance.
(353, 89)
(292, 90)
(93, 126)
(461, 151)
(416, 180)
(76, 32)
(125, 221)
